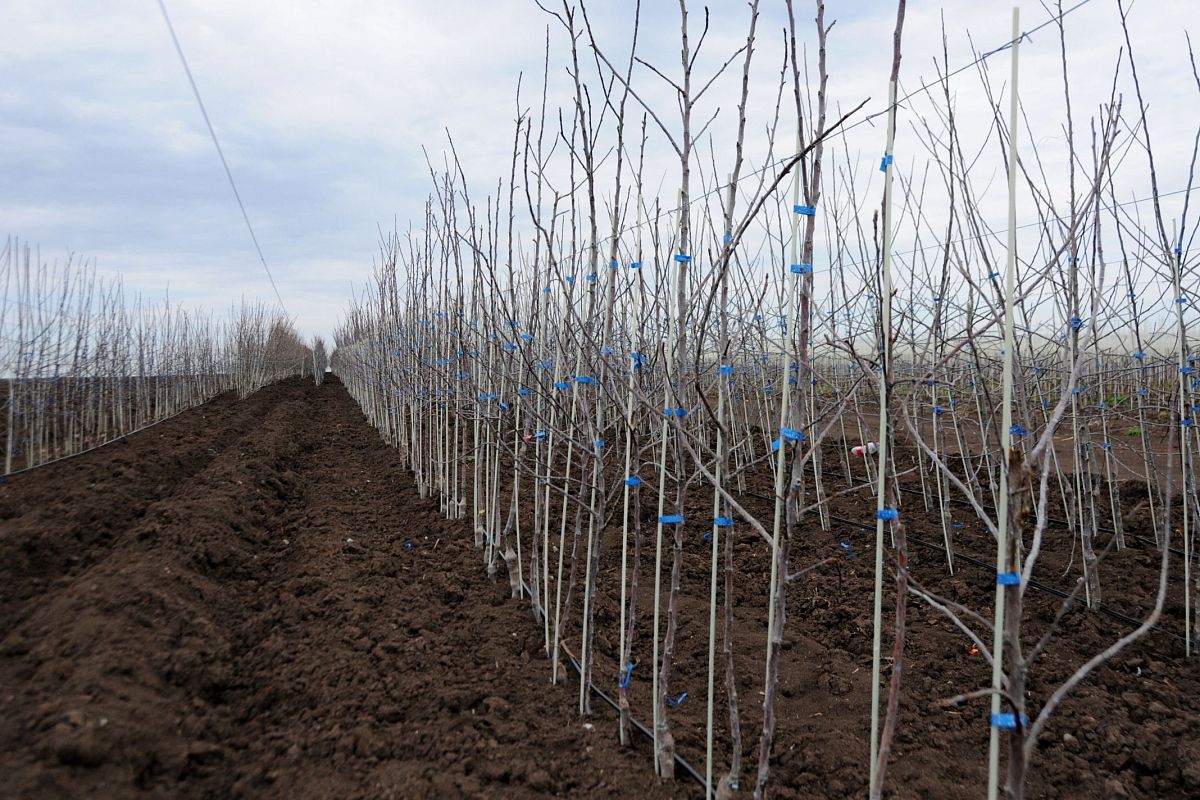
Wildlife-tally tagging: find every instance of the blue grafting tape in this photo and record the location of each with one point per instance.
(570, 279)
(887, 514)
(728, 238)
(801, 269)
(584, 379)
(1105, 446)
(993, 275)
(939, 410)
(635, 265)
(1007, 720)
(671, 519)
(592, 278)
(633, 480)
(1186, 370)
(623, 682)
(723, 522)
(1143, 392)
(1139, 355)
(791, 434)
(1076, 323)
(681, 412)
(768, 388)
(807, 211)
(599, 443)
(674, 701)
(1017, 430)
(408, 545)
(956, 525)
(1008, 578)
(1181, 301)
(523, 392)
(1178, 251)
(1186, 422)
(725, 370)
(562, 385)
(884, 162)
(540, 435)
(614, 264)
(606, 351)
(682, 259)
(668, 412)
(504, 406)
(937, 299)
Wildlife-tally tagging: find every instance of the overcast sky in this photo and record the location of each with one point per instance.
(323, 109)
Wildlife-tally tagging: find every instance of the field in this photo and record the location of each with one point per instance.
(251, 600)
(744, 425)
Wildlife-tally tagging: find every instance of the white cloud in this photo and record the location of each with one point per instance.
(323, 108)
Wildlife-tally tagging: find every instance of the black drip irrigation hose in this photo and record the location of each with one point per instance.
(637, 726)
(1105, 610)
(1101, 528)
(1036, 584)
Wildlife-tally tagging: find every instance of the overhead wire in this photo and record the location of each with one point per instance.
(220, 152)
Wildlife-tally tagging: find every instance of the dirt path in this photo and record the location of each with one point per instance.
(250, 601)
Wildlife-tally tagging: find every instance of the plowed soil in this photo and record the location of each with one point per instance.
(249, 600)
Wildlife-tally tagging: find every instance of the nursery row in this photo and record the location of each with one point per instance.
(794, 347)
(84, 364)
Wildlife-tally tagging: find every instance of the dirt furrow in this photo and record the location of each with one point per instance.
(284, 619)
(56, 521)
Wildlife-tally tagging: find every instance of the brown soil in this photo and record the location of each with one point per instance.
(226, 605)
(249, 600)
(1130, 730)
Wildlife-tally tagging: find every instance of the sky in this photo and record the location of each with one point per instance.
(327, 112)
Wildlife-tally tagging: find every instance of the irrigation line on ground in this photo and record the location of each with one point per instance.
(638, 726)
(1105, 610)
(1059, 521)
